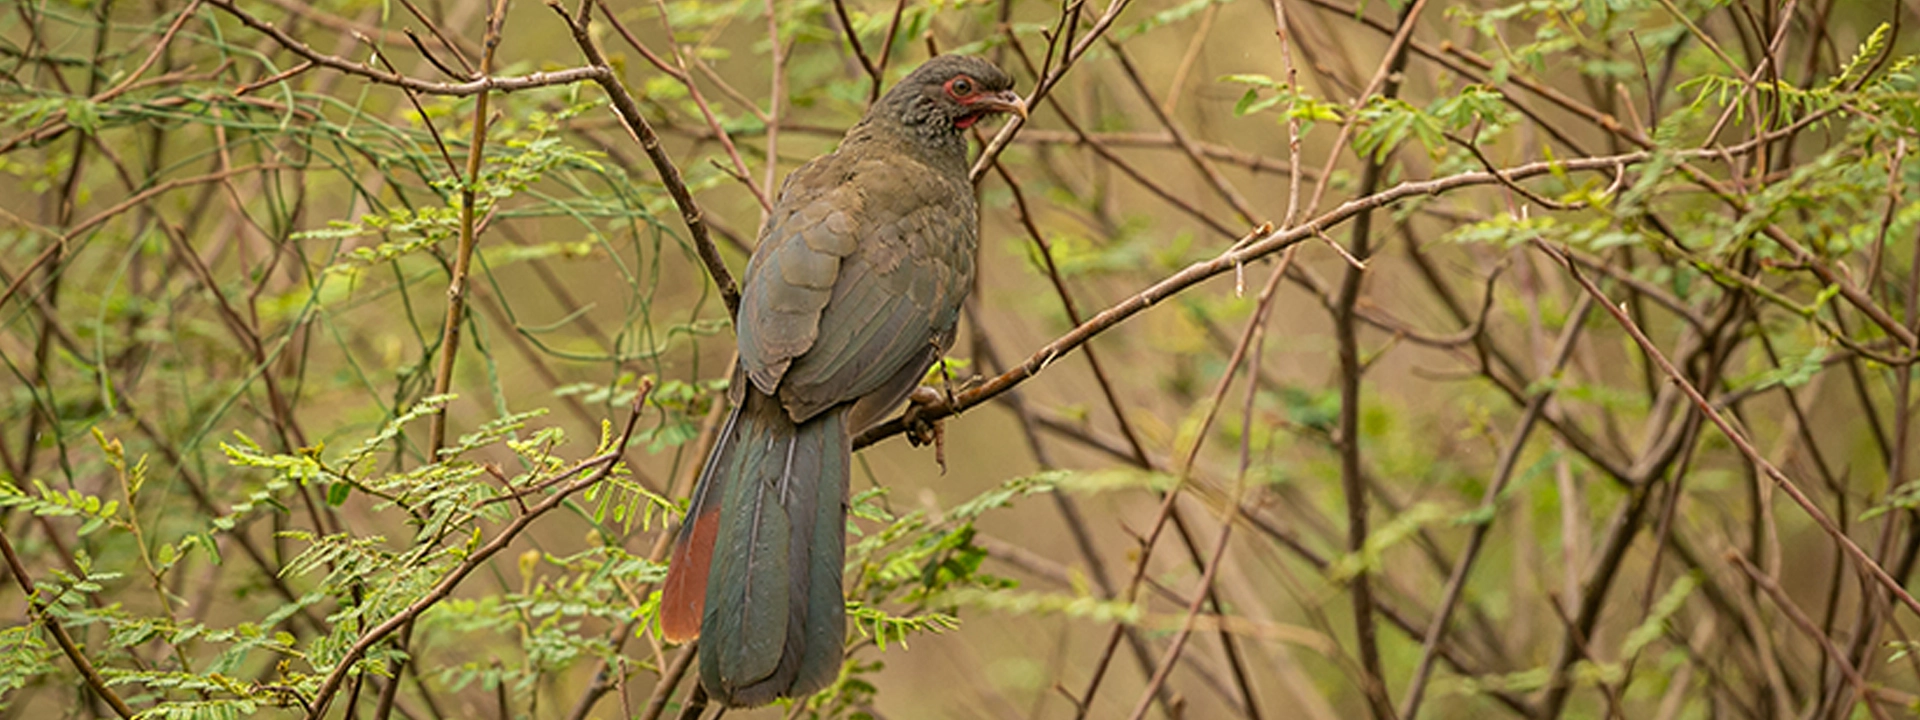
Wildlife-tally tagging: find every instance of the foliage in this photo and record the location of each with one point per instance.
(334, 388)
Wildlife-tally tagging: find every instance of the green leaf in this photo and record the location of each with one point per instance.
(1251, 103)
(1259, 81)
(1662, 610)
(1390, 122)
(1474, 103)
(1863, 57)
(83, 115)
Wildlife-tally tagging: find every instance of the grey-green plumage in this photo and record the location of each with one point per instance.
(777, 561)
(853, 292)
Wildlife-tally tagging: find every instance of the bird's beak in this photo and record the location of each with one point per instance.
(1004, 101)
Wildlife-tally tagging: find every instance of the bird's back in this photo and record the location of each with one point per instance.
(858, 275)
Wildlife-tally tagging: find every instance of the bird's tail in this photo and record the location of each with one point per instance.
(755, 570)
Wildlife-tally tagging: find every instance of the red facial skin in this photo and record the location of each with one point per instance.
(967, 91)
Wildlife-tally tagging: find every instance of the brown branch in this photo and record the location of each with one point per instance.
(1106, 390)
(603, 678)
(1030, 421)
(1047, 81)
(60, 635)
(153, 55)
(1352, 484)
(1248, 214)
(1805, 624)
(859, 51)
(777, 90)
(473, 87)
(669, 678)
(53, 248)
(1391, 64)
(650, 141)
(1251, 248)
(1252, 336)
(696, 704)
(469, 238)
(1739, 439)
(1172, 657)
(433, 27)
(1504, 467)
(330, 686)
(699, 98)
(1116, 161)
(886, 49)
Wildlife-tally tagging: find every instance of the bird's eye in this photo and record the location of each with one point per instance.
(962, 87)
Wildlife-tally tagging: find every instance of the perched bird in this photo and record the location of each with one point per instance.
(852, 294)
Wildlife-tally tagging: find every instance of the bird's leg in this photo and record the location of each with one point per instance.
(946, 381)
(922, 431)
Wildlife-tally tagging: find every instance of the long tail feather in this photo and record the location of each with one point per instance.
(826, 608)
(766, 541)
(683, 596)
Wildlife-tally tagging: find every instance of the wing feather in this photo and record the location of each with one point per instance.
(861, 272)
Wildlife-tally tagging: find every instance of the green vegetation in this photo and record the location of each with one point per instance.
(1546, 359)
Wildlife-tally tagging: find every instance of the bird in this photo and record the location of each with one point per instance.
(852, 293)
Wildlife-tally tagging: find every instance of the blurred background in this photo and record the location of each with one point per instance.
(1390, 455)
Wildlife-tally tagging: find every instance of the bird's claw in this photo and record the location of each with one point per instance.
(923, 431)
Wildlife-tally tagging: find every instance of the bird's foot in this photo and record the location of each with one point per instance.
(947, 386)
(922, 431)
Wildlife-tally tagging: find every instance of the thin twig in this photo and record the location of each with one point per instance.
(1250, 248)
(484, 84)
(1250, 338)
(699, 98)
(853, 40)
(331, 684)
(1099, 373)
(629, 113)
(60, 636)
(669, 678)
(1504, 468)
(1739, 439)
(1863, 692)
(1390, 63)
(469, 238)
(604, 677)
(1248, 214)
(886, 50)
(778, 100)
(696, 704)
(434, 28)
(1047, 82)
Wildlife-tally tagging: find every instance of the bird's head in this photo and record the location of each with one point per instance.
(950, 93)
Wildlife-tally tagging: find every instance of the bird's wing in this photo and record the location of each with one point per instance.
(858, 284)
(793, 271)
